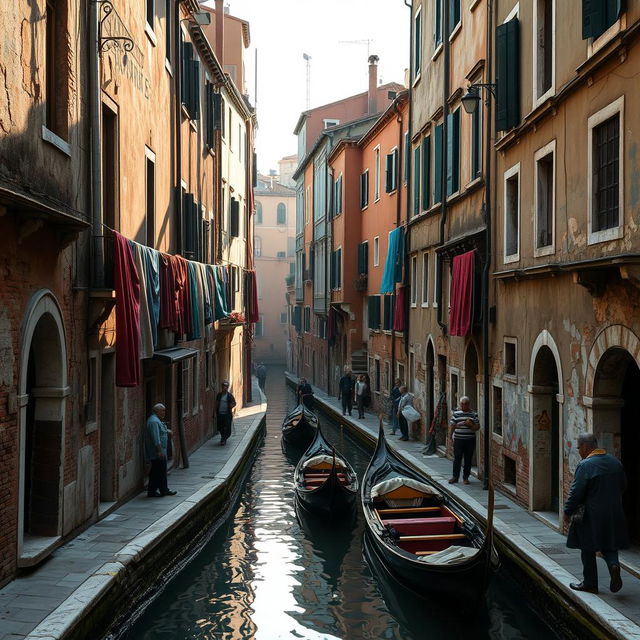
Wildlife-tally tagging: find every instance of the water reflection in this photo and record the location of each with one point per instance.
(270, 575)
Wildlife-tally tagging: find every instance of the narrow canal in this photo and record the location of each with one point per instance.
(267, 576)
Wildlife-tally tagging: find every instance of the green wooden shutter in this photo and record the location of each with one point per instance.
(210, 114)
(507, 75)
(363, 258)
(599, 15)
(332, 265)
(454, 14)
(217, 109)
(437, 170)
(387, 322)
(339, 267)
(453, 152)
(195, 95)
(426, 172)
(234, 230)
(185, 84)
(416, 181)
(388, 173)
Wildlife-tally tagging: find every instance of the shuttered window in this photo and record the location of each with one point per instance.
(437, 169)
(363, 258)
(190, 85)
(336, 269)
(391, 171)
(234, 227)
(387, 322)
(373, 316)
(416, 181)
(297, 318)
(426, 173)
(453, 152)
(337, 197)
(599, 15)
(454, 14)
(508, 75)
(211, 104)
(417, 44)
(192, 226)
(407, 151)
(364, 189)
(606, 174)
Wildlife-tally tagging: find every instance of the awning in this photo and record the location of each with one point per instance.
(174, 354)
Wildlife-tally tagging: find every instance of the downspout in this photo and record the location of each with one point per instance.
(444, 154)
(409, 160)
(486, 274)
(96, 144)
(177, 74)
(329, 229)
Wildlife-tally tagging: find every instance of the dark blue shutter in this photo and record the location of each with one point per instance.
(508, 75)
(426, 172)
(388, 173)
(453, 152)
(235, 218)
(363, 258)
(437, 172)
(599, 15)
(416, 181)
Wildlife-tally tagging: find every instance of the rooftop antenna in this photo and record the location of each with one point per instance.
(307, 58)
(359, 42)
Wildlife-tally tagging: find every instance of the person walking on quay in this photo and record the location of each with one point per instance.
(463, 426)
(261, 372)
(406, 400)
(156, 437)
(225, 404)
(395, 400)
(360, 391)
(594, 508)
(345, 391)
(304, 393)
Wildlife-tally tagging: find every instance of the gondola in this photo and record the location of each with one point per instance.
(299, 427)
(325, 483)
(423, 537)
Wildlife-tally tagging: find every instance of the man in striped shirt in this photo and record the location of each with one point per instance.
(463, 426)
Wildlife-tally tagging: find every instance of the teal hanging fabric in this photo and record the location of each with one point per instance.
(221, 309)
(195, 303)
(394, 261)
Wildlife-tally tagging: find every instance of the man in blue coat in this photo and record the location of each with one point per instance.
(156, 438)
(594, 507)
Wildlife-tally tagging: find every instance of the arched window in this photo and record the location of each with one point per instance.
(257, 246)
(282, 213)
(258, 212)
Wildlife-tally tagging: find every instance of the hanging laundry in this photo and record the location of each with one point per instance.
(221, 306)
(169, 288)
(127, 286)
(253, 312)
(194, 334)
(152, 276)
(399, 323)
(185, 313)
(146, 336)
(206, 294)
(394, 262)
(461, 294)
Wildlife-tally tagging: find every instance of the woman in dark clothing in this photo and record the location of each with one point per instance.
(225, 404)
(304, 393)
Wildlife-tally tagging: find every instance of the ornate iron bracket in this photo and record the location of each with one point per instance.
(110, 41)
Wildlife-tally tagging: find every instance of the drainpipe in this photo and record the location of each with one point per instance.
(96, 143)
(409, 160)
(486, 273)
(444, 155)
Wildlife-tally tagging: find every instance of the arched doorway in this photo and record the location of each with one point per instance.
(545, 484)
(42, 394)
(616, 423)
(471, 387)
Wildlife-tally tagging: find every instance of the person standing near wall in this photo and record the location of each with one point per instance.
(360, 392)
(345, 392)
(406, 400)
(225, 404)
(156, 438)
(262, 375)
(463, 426)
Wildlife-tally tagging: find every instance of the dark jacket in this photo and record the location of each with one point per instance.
(232, 401)
(346, 385)
(598, 484)
(395, 397)
(305, 395)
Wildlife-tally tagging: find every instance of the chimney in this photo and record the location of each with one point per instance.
(372, 106)
(220, 13)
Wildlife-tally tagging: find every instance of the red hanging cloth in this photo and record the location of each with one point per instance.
(127, 286)
(169, 289)
(185, 311)
(399, 323)
(461, 294)
(253, 310)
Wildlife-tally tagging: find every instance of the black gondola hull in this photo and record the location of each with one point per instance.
(299, 428)
(328, 500)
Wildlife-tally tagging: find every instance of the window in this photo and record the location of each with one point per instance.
(283, 317)
(212, 122)
(207, 370)
(416, 181)
(190, 85)
(507, 75)
(330, 122)
(307, 206)
(363, 258)
(281, 213)
(545, 199)
(110, 167)
(257, 246)
(149, 12)
(407, 151)
(307, 319)
(281, 255)
(259, 330)
(414, 281)
(223, 122)
(195, 384)
(417, 43)
(168, 28)
(544, 47)
(437, 24)
(258, 212)
(234, 226)
(320, 176)
(497, 410)
(476, 141)
(453, 152)
(597, 17)
(377, 174)
(606, 201)
(391, 171)
(376, 375)
(364, 189)
(376, 251)
(150, 200)
(454, 15)
(56, 82)
(437, 164)
(425, 279)
(230, 130)
(336, 269)
(509, 364)
(426, 172)
(387, 320)
(337, 195)
(373, 315)
(512, 214)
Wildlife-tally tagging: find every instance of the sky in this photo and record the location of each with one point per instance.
(282, 30)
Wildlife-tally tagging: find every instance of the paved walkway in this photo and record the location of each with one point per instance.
(43, 603)
(544, 547)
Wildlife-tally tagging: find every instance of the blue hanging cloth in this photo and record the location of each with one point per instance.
(195, 302)
(394, 261)
(151, 260)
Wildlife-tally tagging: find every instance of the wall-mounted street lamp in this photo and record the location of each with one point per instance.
(471, 99)
(118, 36)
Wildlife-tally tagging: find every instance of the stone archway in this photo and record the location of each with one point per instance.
(42, 392)
(546, 428)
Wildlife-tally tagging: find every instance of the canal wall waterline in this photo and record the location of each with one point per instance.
(589, 612)
(105, 600)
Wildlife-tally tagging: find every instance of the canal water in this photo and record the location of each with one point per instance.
(269, 576)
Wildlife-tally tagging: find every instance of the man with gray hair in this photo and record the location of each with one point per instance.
(156, 438)
(595, 512)
(463, 426)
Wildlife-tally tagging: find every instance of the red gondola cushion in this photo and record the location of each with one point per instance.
(422, 526)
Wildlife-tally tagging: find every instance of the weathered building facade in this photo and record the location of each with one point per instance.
(128, 139)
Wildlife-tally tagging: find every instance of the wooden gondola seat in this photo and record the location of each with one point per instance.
(422, 526)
